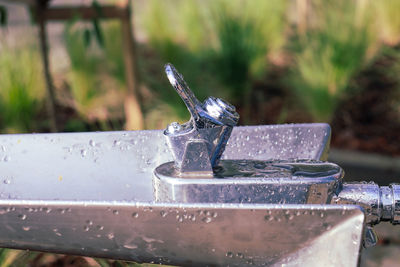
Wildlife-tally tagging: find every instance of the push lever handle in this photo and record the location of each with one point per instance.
(214, 111)
(183, 90)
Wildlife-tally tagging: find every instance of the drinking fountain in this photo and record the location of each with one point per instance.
(202, 193)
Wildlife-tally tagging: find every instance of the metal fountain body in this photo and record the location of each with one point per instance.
(172, 197)
(197, 177)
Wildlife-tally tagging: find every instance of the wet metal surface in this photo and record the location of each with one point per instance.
(222, 234)
(92, 194)
(119, 166)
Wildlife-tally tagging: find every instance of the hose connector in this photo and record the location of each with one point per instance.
(380, 203)
(390, 203)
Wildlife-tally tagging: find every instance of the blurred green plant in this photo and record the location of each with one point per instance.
(186, 23)
(240, 44)
(9, 257)
(83, 80)
(113, 51)
(3, 16)
(96, 75)
(21, 258)
(392, 73)
(22, 88)
(330, 53)
(224, 43)
(170, 40)
(388, 20)
(244, 40)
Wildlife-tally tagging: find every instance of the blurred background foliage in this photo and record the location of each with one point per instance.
(22, 89)
(218, 44)
(339, 42)
(277, 61)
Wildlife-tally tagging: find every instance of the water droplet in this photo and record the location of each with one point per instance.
(206, 219)
(163, 213)
(289, 217)
(47, 210)
(174, 127)
(150, 209)
(110, 236)
(229, 254)
(130, 246)
(354, 237)
(250, 262)
(268, 217)
(117, 142)
(179, 218)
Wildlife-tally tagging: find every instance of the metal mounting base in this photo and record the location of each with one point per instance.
(250, 181)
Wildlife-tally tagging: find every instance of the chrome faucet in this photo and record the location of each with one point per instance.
(198, 175)
(197, 145)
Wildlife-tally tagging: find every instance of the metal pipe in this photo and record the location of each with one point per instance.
(390, 199)
(380, 203)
